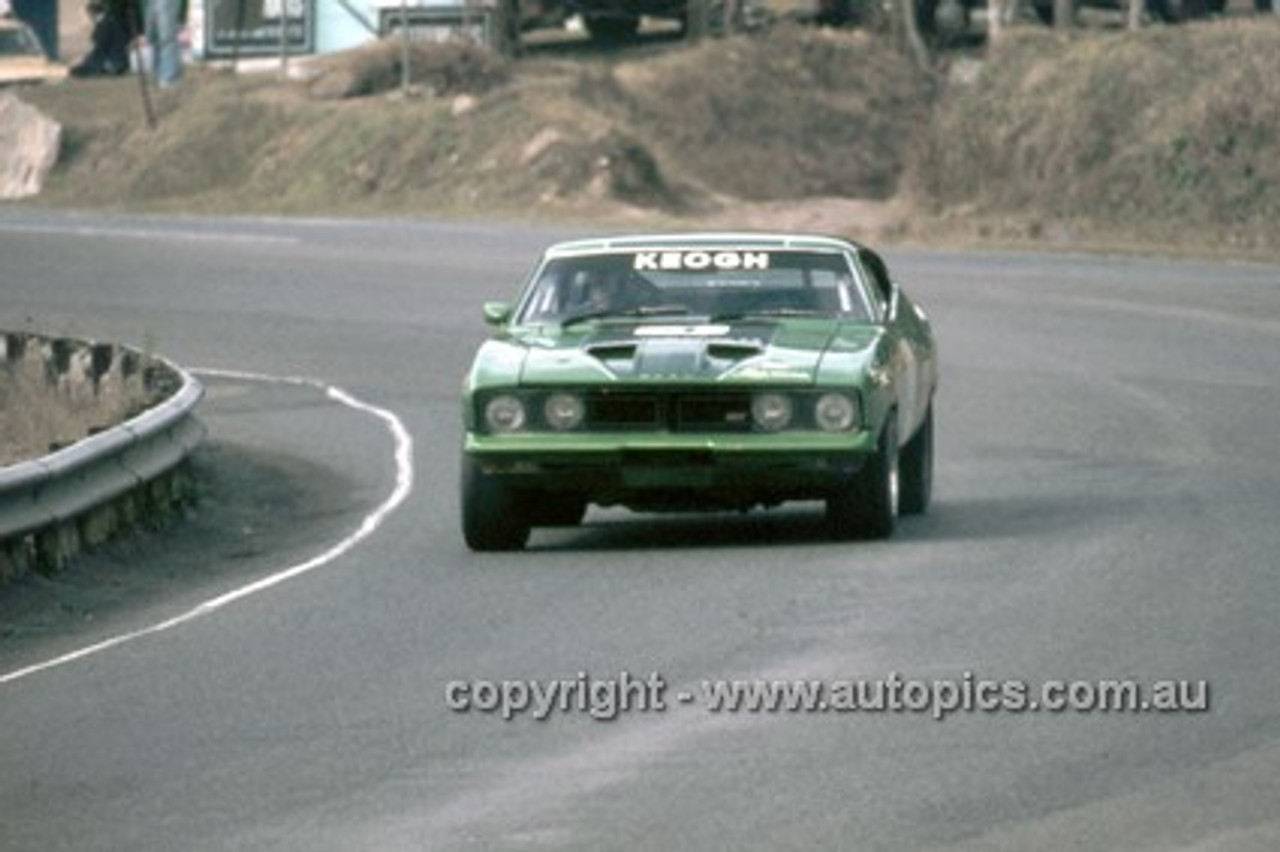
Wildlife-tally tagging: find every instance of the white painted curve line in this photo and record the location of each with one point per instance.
(370, 524)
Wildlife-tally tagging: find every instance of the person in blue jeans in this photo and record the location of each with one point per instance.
(164, 18)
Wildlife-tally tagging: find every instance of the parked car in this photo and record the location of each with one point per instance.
(700, 372)
(23, 58)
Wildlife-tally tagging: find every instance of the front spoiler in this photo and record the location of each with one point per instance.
(687, 474)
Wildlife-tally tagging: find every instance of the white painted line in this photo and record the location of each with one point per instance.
(370, 524)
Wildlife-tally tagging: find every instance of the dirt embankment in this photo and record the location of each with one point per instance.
(1169, 136)
(57, 391)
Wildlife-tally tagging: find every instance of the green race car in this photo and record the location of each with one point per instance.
(700, 372)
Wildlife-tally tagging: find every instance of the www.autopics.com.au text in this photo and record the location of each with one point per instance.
(606, 698)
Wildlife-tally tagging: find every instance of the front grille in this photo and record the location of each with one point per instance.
(668, 411)
(713, 413)
(608, 411)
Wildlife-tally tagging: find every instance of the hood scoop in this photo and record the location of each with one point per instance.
(733, 350)
(672, 357)
(612, 351)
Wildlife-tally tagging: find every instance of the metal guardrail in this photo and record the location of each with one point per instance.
(49, 492)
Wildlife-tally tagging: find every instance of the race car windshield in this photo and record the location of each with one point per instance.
(722, 284)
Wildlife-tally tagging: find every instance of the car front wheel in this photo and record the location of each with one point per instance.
(917, 468)
(495, 516)
(867, 507)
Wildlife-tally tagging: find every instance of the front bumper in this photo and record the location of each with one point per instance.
(660, 472)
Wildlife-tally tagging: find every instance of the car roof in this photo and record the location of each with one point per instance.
(700, 240)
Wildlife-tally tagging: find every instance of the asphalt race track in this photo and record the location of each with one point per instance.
(1107, 488)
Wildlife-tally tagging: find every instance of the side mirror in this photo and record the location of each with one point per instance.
(497, 313)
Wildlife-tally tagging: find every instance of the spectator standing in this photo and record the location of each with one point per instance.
(163, 21)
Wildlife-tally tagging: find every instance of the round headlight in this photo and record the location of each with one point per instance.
(563, 411)
(504, 413)
(835, 412)
(771, 411)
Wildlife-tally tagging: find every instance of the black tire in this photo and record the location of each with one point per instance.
(915, 469)
(557, 510)
(495, 517)
(867, 507)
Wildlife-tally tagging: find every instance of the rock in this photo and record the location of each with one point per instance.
(29, 142)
